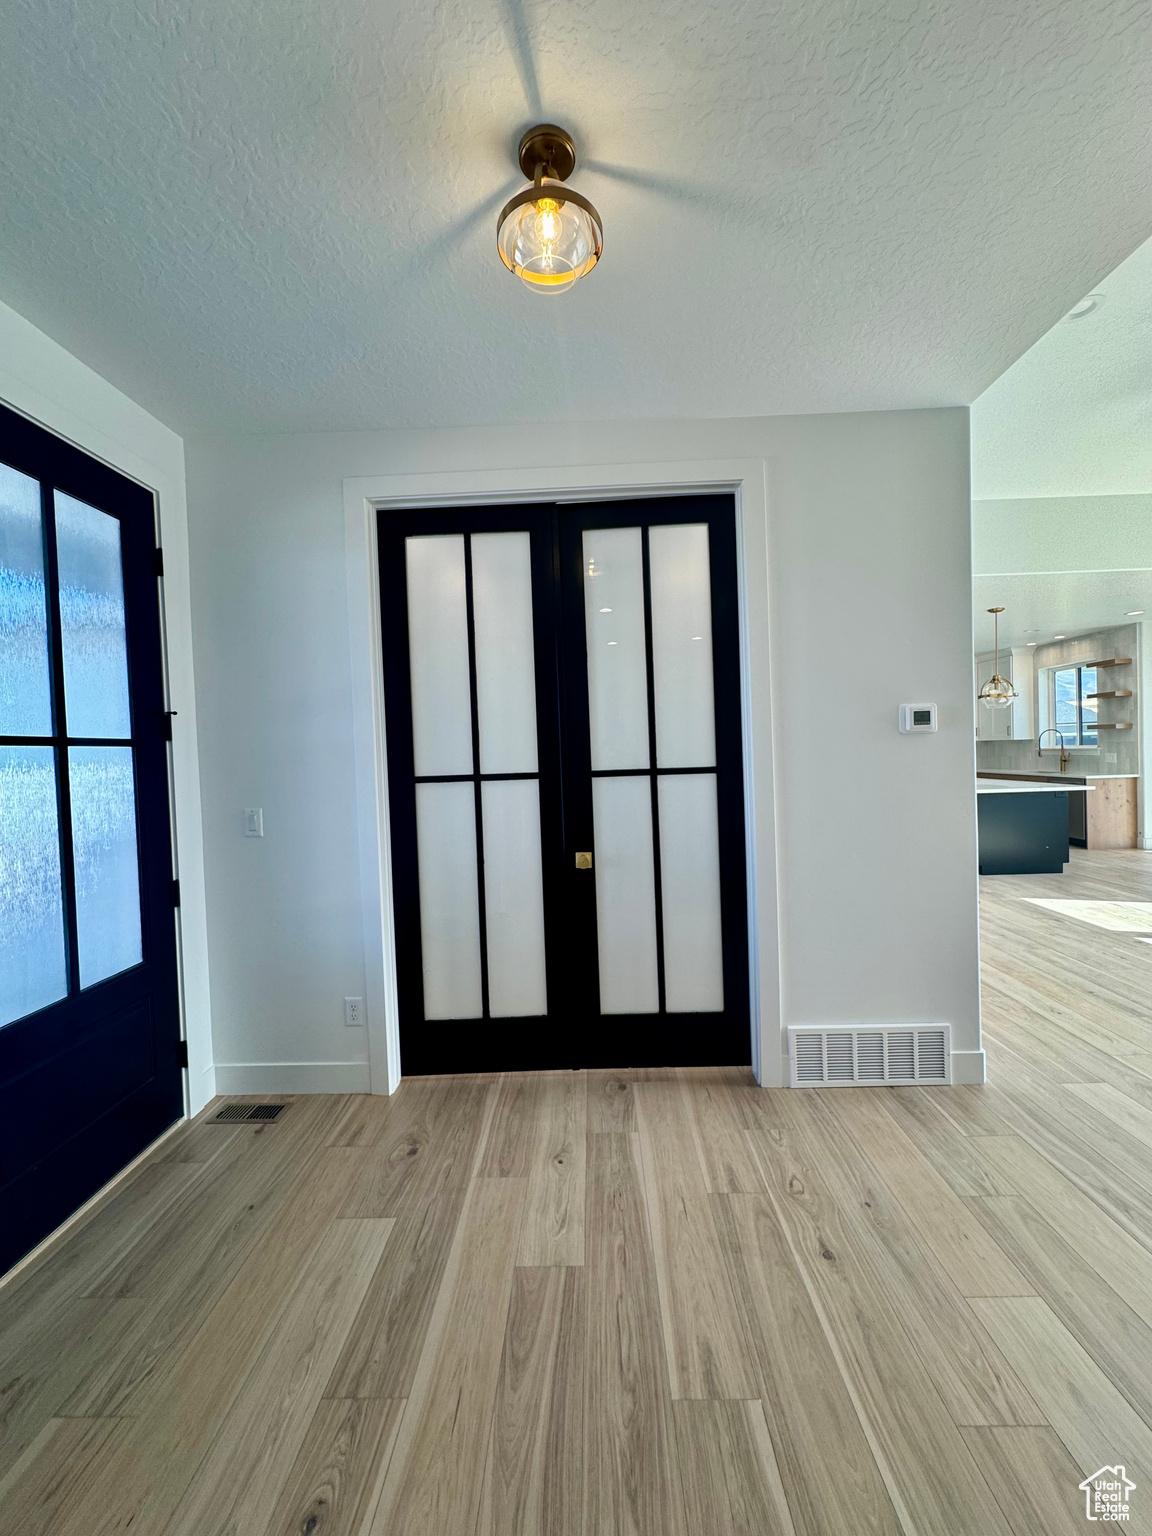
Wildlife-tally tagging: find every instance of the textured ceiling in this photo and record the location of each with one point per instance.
(1073, 417)
(281, 216)
(1037, 607)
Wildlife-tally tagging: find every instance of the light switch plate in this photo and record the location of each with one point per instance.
(253, 821)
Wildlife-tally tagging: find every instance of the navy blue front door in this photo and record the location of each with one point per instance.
(90, 1051)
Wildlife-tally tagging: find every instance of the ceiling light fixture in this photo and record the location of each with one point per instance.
(1059, 637)
(548, 235)
(997, 692)
(1134, 613)
(1086, 307)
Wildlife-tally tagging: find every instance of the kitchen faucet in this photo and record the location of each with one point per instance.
(1064, 758)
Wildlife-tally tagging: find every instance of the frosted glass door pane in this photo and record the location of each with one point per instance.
(449, 908)
(514, 898)
(107, 872)
(625, 895)
(438, 652)
(25, 703)
(682, 645)
(505, 665)
(617, 655)
(33, 972)
(690, 891)
(92, 636)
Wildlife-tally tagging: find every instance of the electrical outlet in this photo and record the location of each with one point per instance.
(354, 1012)
(253, 821)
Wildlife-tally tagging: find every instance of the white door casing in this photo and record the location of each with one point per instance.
(745, 479)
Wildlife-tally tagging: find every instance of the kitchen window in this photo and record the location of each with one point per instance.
(1074, 705)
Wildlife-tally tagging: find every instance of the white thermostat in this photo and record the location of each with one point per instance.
(917, 717)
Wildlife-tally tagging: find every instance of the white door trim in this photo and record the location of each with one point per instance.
(363, 496)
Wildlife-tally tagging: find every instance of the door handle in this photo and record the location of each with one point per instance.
(583, 861)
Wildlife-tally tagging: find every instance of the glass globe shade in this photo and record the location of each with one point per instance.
(550, 239)
(997, 692)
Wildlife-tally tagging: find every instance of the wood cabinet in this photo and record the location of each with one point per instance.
(1110, 813)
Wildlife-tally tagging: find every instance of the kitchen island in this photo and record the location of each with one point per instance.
(1108, 820)
(1023, 826)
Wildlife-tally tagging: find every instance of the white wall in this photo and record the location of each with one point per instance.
(1143, 660)
(43, 381)
(869, 547)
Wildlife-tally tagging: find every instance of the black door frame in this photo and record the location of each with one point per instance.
(42, 1185)
(555, 1040)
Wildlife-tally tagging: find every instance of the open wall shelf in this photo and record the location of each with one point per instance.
(1111, 693)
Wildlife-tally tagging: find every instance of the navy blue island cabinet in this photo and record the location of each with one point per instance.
(1023, 831)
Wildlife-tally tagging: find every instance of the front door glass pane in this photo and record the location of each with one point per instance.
(514, 898)
(690, 893)
(92, 630)
(682, 645)
(107, 869)
(25, 702)
(505, 665)
(449, 906)
(625, 895)
(33, 968)
(617, 654)
(438, 651)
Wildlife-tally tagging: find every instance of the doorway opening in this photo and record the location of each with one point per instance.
(566, 784)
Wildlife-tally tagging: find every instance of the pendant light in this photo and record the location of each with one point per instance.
(548, 235)
(997, 692)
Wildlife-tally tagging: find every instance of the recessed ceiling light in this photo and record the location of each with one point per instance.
(1031, 631)
(1031, 642)
(1086, 307)
(1133, 613)
(548, 235)
(1059, 637)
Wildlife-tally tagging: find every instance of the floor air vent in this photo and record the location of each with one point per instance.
(843, 1058)
(233, 1112)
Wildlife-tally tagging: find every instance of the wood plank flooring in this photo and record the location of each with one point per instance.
(653, 1303)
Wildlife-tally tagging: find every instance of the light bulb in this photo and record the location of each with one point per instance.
(548, 221)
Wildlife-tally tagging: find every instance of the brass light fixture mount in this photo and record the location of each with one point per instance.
(549, 150)
(548, 235)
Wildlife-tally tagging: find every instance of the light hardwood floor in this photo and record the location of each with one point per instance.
(655, 1303)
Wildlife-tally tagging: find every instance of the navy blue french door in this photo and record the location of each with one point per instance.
(565, 784)
(90, 1049)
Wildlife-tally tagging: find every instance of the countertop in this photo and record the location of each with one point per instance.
(1056, 778)
(1022, 787)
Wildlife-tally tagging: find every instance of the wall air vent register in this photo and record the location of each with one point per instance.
(835, 1058)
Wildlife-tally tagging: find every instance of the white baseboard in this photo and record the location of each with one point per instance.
(967, 1067)
(240, 1077)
